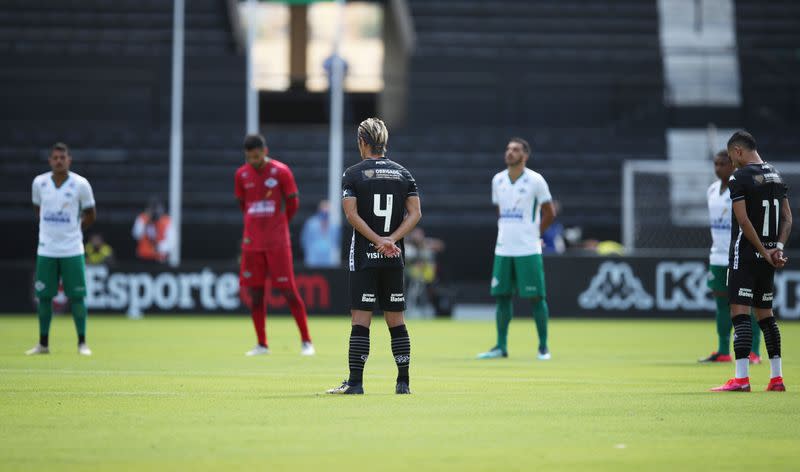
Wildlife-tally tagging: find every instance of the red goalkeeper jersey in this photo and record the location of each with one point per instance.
(264, 193)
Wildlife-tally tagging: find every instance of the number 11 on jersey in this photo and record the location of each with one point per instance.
(765, 226)
(385, 213)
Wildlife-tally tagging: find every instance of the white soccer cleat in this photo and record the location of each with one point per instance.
(544, 355)
(307, 349)
(84, 350)
(37, 349)
(259, 350)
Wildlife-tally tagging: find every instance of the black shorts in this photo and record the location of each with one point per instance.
(381, 286)
(751, 284)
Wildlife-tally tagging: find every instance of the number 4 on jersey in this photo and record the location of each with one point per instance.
(385, 213)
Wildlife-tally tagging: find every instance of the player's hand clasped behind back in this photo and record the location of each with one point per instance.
(387, 247)
(776, 258)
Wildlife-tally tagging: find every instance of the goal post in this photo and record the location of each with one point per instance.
(664, 203)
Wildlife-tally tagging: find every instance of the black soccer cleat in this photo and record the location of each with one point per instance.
(347, 389)
(402, 389)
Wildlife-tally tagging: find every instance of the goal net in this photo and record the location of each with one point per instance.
(664, 203)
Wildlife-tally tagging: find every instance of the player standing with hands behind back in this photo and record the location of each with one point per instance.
(268, 198)
(64, 205)
(762, 221)
(381, 202)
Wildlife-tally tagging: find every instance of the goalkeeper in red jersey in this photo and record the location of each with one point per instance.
(267, 195)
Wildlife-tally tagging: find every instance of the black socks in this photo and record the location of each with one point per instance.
(742, 336)
(401, 350)
(772, 336)
(44, 339)
(358, 354)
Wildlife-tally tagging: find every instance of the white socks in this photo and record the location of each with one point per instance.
(775, 367)
(743, 368)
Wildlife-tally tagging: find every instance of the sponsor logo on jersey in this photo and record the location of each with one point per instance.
(512, 214)
(767, 297)
(249, 185)
(56, 217)
(262, 207)
(397, 297)
(270, 182)
(746, 293)
(282, 279)
(368, 298)
(385, 174)
(375, 255)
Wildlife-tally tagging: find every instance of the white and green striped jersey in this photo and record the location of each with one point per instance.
(518, 205)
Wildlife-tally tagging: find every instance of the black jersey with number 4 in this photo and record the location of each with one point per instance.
(380, 187)
(762, 188)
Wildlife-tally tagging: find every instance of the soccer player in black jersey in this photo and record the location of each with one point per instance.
(381, 202)
(762, 220)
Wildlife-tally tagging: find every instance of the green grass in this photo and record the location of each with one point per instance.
(177, 394)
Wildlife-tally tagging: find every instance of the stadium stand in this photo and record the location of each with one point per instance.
(769, 57)
(582, 80)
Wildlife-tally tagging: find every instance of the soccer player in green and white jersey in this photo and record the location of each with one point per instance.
(525, 210)
(64, 204)
(719, 212)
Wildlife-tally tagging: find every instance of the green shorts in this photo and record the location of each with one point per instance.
(523, 275)
(718, 278)
(71, 270)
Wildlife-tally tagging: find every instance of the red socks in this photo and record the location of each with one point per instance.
(258, 311)
(298, 309)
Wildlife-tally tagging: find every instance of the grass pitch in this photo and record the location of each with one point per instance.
(178, 394)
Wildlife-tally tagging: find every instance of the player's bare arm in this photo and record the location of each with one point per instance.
(740, 210)
(88, 218)
(413, 215)
(351, 213)
(548, 216)
(784, 230)
(292, 204)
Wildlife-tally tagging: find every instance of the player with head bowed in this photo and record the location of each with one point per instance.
(761, 223)
(381, 202)
(268, 197)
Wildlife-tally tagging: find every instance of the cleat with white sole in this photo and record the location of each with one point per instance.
(346, 389)
(307, 349)
(544, 355)
(259, 350)
(37, 349)
(493, 353)
(84, 350)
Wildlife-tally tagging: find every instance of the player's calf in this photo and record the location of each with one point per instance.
(772, 338)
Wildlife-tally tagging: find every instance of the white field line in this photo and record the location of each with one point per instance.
(184, 373)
